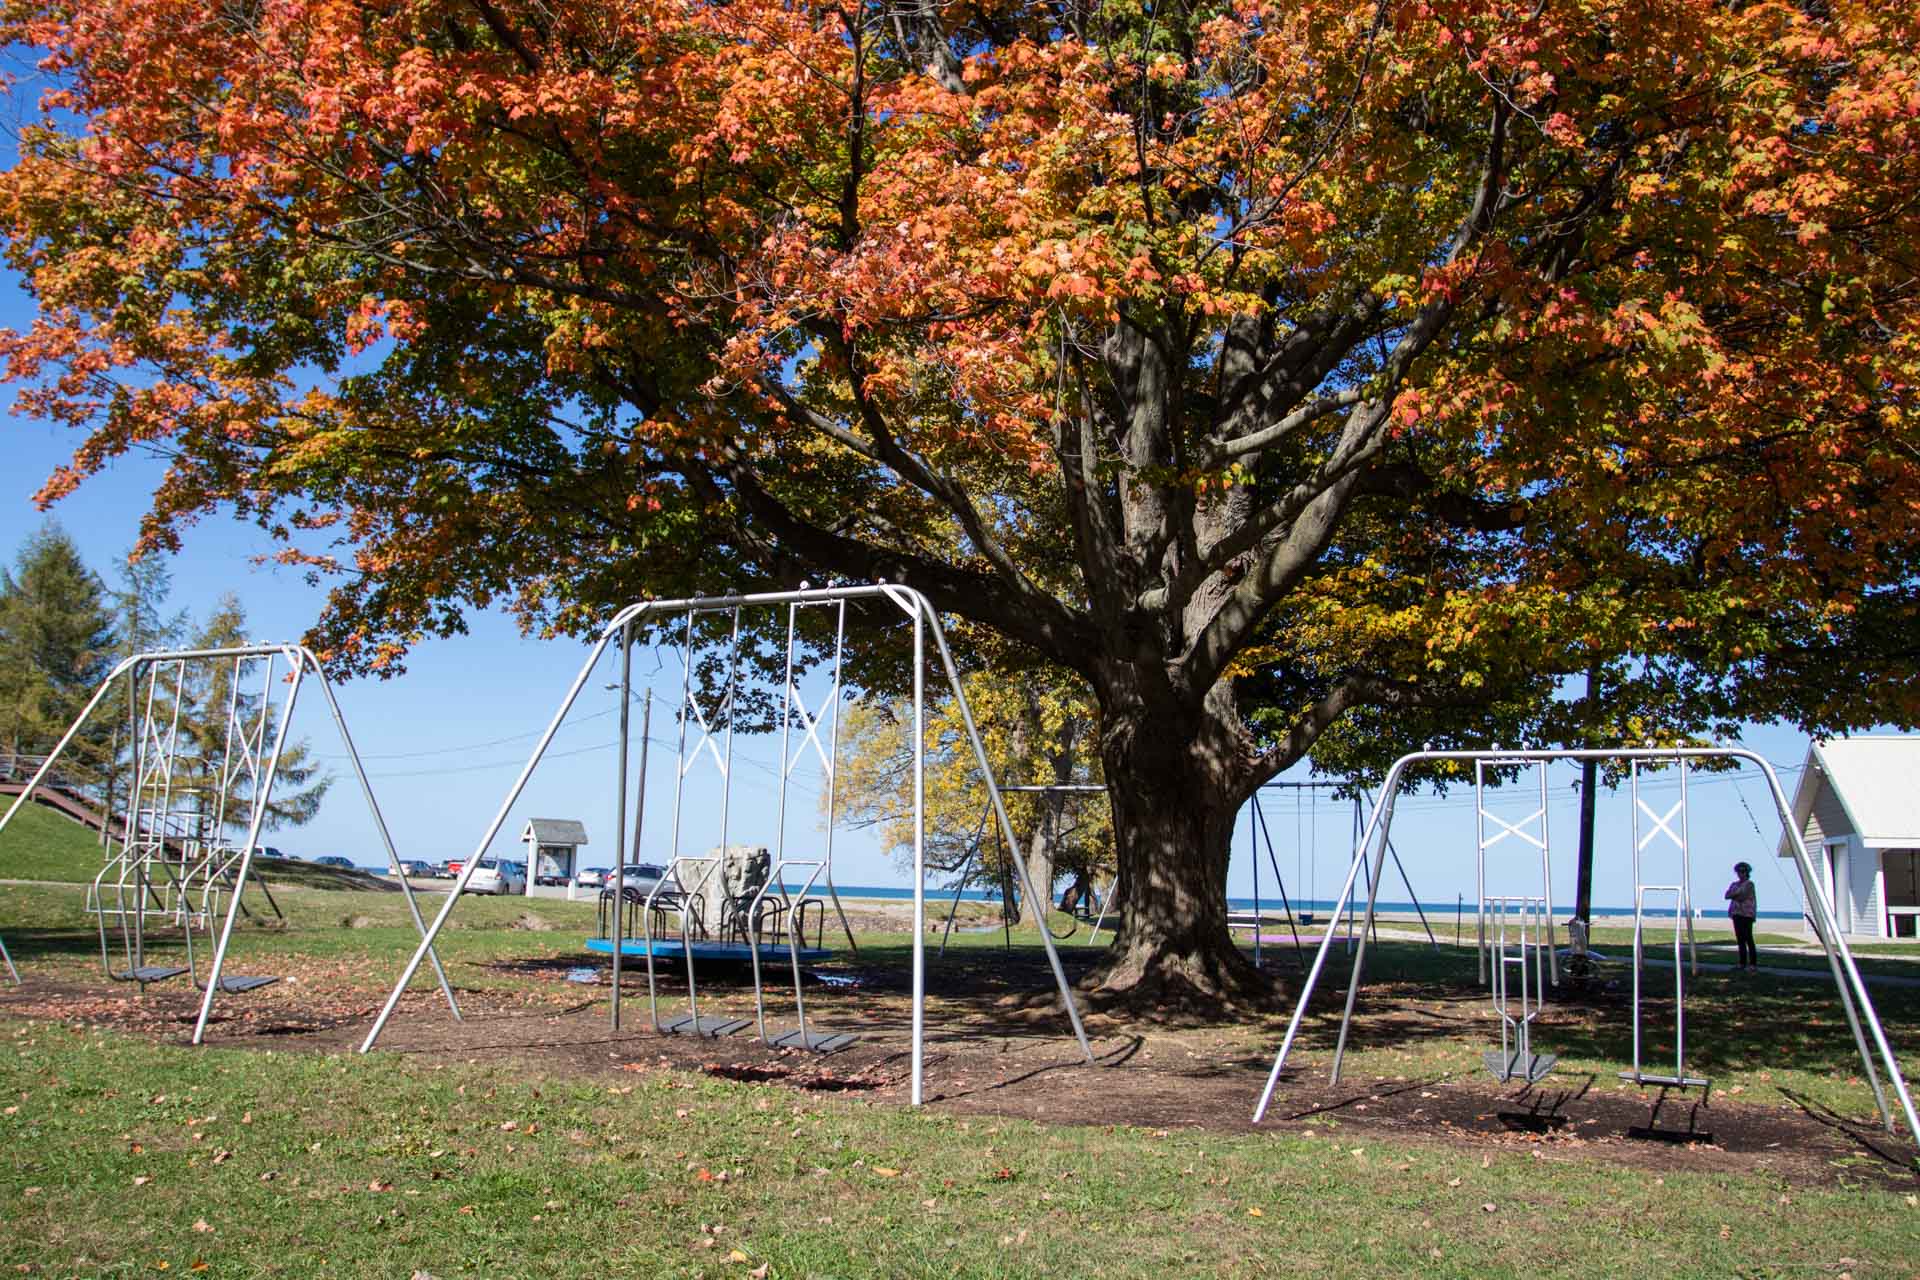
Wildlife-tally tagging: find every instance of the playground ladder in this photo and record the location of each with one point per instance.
(1515, 1059)
(1638, 1075)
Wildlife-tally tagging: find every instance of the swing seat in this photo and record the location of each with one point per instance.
(1666, 1081)
(1531, 1067)
(706, 1025)
(239, 983)
(817, 1041)
(148, 973)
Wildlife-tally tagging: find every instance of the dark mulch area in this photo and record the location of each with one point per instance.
(992, 1050)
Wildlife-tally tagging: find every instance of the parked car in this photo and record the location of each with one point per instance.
(641, 880)
(497, 877)
(268, 851)
(334, 860)
(417, 870)
(593, 877)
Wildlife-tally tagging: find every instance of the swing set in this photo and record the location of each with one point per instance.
(1515, 931)
(768, 922)
(973, 865)
(1306, 844)
(175, 865)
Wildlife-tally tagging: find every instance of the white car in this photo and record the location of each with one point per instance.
(593, 877)
(497, 877)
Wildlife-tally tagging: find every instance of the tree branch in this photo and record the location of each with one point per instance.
(1046, 625)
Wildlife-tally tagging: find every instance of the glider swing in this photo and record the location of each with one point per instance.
(717, 722)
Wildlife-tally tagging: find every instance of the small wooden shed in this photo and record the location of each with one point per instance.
(553, 849)
(1858, 809)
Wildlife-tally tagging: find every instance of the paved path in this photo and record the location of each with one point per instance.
(1805, 975)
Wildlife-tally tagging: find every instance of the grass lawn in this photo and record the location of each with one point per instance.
(130, 1159)
(130, 1154)
(40, 844)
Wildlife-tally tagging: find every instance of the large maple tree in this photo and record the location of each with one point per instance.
(1364, 363)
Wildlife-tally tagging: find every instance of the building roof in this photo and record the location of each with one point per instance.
(1873, 777)
(555, 831)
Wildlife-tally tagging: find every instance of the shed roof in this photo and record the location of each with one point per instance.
(555, 831)
(1873, 777)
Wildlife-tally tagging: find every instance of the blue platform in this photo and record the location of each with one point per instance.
(714, 952)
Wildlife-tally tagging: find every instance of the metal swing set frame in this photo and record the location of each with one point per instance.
(173, 859)
(974, 863)
(718, 721)
(1862, 1020)
(1260, 833)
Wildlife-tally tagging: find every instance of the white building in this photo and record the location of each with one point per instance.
(1858, 809)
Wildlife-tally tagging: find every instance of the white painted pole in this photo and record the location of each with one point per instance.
(263, 795)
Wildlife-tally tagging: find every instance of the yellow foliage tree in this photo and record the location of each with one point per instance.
(1038, 728)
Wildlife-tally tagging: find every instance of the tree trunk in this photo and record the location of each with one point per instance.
(1176, 778)
(1039, 859)
(1589, 785)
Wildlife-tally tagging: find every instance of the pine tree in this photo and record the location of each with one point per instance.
(141, 625)
(56, 645)
(218, 693)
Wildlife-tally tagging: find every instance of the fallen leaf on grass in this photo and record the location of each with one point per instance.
(201, 1224)
(884, 1172)
(141, 1180)
(1254, 1211)
(734, 1255)
(222, 1155)
(1488, 1207)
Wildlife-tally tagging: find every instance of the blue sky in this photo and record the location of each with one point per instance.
(446, 740)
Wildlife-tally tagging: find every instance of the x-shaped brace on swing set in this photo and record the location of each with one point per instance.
(1515, 829)
(706, 734)
(812, 735)
(1662, 826)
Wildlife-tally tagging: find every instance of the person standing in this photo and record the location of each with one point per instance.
(1742, 906)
